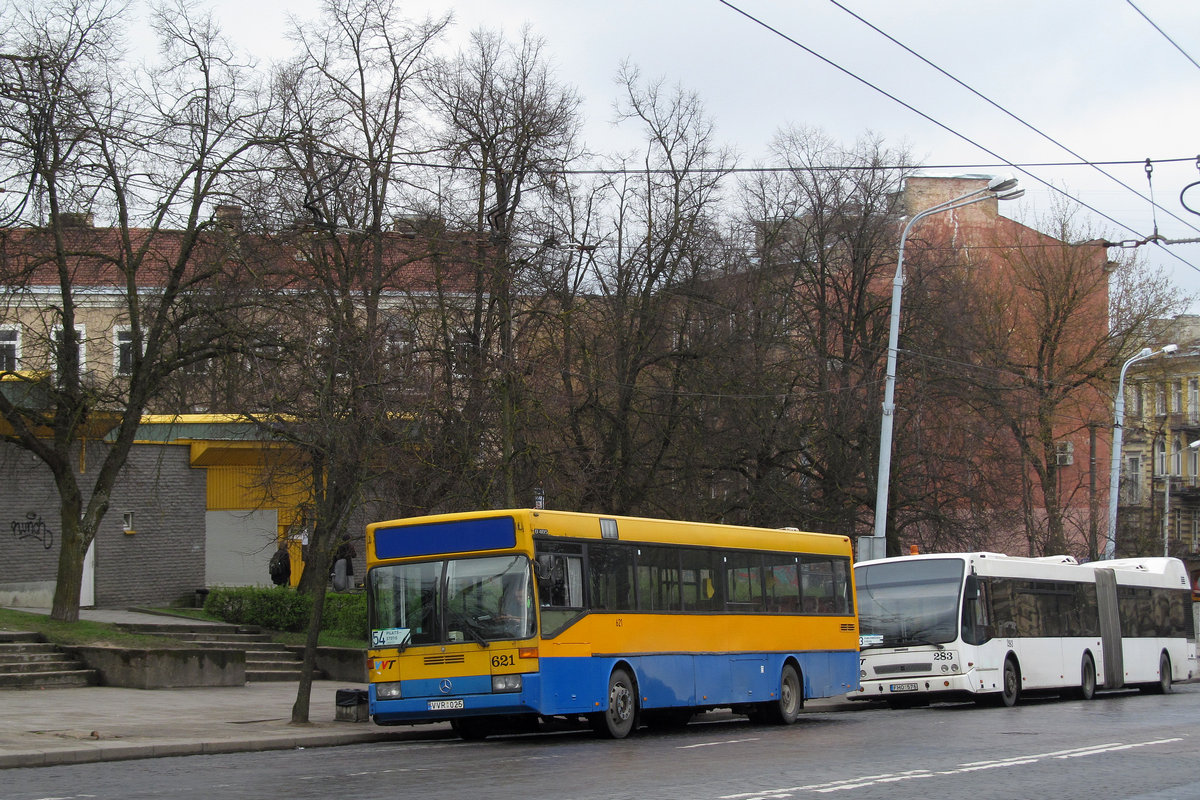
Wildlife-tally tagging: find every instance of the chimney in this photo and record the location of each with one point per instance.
(228, 216)
(76, 219)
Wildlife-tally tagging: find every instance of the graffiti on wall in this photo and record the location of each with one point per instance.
(33, 527)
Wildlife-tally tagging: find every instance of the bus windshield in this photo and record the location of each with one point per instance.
(452, 600)
(908, 602)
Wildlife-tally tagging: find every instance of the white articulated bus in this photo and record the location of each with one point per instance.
(990, 627)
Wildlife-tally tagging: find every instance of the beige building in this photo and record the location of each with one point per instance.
(1159, 505)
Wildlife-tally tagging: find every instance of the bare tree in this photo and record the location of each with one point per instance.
(624, 323)
(83, 135)
(814, 330)
(331, 380)
(512, 128)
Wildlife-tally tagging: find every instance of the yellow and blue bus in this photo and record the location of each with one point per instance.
(494, 619)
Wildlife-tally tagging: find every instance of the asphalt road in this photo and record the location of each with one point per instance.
(1123, 745)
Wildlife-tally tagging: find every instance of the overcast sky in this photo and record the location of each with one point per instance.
(1094, 75)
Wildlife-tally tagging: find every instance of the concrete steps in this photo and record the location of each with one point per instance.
(28, 661)
(265, 660)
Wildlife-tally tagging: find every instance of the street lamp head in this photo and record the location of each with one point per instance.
(1170, 348)
(1144, 352)
(998, 185)
(1194, 445)
(1011, 195)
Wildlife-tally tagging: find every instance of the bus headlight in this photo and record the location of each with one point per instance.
(387, 691)
(506, 683)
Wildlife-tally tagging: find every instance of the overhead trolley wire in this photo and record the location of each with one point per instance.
(936, 122)
(1012, 115)
(1163, 34)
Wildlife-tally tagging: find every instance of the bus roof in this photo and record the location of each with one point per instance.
(1167, 570)
(578, 525)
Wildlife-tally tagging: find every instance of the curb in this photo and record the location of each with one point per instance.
(117, 750)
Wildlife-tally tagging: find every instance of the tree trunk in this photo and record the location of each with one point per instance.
(70, 571)
(304, 688)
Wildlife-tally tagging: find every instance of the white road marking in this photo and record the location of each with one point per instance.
(716, 744)
(921, 774)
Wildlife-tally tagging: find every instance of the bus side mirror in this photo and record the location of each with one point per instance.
(971, 588)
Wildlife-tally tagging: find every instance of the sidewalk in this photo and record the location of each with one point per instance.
(42, 727)
(45, 727)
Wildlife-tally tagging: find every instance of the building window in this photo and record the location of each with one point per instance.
(81, 337)
(1160, 457)
(463, 353)
(1177, 397)
(10, 353)
(1132, 483)
(400, 344)
(1177, 457)
(1195, 531)
(1193, 409)
(1160, 399)
(123, 351)
(1139, 401)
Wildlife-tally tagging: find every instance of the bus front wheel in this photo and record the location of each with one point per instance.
(471, 729)
(1010, 689)
(617, 721)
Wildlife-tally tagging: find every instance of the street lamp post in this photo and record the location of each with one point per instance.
(1114, 475)
(875, 546)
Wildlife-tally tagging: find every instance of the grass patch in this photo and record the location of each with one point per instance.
(81, 632)
(327, 639)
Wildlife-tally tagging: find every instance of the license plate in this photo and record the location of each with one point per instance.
(443, 705)
(904, 687)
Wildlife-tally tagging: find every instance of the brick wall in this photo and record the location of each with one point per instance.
(161, 561)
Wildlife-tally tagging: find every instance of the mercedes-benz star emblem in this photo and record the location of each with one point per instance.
(446, 686)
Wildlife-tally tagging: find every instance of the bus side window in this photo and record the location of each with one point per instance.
(560, 580)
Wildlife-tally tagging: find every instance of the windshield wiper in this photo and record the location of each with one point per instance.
(905, 642)
(901, 641)
(470, 628)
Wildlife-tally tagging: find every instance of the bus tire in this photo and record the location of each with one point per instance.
(1163, 684)
(1010, 683)
(1087, 678)
(471, 729)
(786, 708)
(1087, 681)
(618, 720)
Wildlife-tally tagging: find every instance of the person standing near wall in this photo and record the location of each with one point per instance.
(280, 566)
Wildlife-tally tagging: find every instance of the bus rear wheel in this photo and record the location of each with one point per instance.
(1087, 680)
(1163, 685)
(785, 709)
(617, 722)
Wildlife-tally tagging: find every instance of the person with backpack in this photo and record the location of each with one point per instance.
(280, 566)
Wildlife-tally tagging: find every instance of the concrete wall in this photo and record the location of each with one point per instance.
(163, 668)
(161, 560)
(338, 663)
